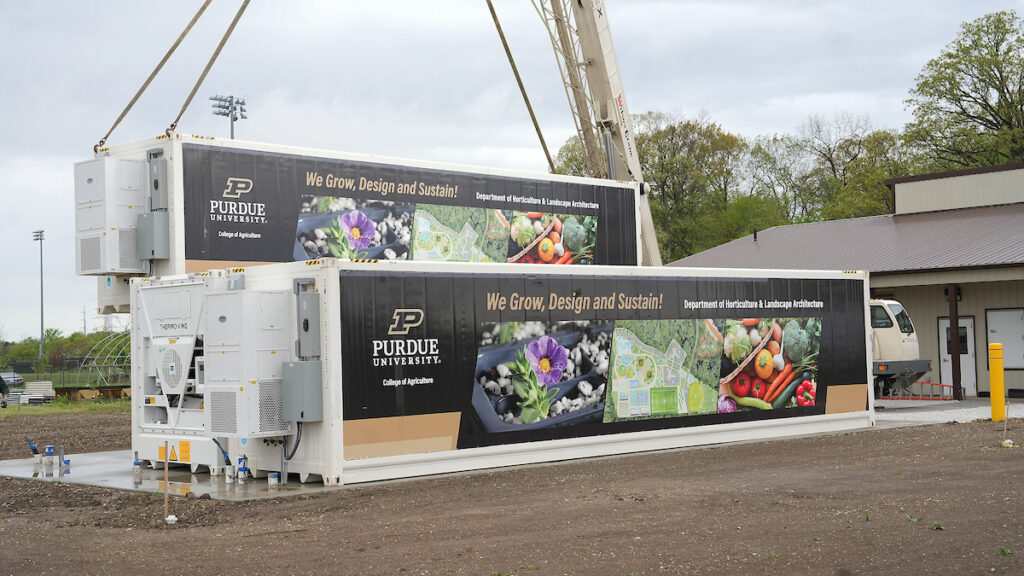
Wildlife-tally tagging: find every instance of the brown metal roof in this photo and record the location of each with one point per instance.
(977, 237)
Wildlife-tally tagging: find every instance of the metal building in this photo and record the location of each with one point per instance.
(953, 248)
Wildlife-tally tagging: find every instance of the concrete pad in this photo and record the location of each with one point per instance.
(114, 470)
(899, 413)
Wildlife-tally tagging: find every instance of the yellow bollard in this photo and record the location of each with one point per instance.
(995, 376)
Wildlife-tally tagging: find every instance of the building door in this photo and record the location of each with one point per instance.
(968, 373)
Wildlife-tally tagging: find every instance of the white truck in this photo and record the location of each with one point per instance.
(897, 361)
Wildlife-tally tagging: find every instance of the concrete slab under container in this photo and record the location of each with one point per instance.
(114, 470)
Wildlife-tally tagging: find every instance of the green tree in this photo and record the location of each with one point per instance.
(709, 186)
(863, 191)
(968, 104)
(571, 160)
(744, 215)
(695, 171)
(779, 167)
(25, 351)
(831, 169)
(693, 168)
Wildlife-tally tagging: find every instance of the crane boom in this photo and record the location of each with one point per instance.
(590, 71)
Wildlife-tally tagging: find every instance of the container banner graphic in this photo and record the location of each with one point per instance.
(245, 205)
(524, 358)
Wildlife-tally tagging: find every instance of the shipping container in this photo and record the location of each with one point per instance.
(178, 204)
(349, 372)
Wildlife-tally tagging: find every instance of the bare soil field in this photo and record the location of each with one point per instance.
(942, 499)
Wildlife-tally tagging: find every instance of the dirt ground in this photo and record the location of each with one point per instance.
(943, 499)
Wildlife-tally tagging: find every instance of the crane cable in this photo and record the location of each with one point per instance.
(213, 58)
(153, 74)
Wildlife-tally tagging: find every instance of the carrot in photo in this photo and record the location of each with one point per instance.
(785, 382)
(777, 383)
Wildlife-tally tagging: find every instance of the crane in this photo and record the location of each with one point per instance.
(590, 71)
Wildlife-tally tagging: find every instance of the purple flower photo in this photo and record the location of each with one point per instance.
(547, 359)
(359, 230)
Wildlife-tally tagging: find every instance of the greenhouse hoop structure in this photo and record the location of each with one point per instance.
(110, 358)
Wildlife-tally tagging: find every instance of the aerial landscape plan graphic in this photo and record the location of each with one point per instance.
(657, 371)
(435, 241)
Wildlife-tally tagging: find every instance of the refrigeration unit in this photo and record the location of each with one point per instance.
(109, 197)
(207, 366)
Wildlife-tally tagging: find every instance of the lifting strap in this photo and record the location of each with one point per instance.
(213, 58)
(152, 75)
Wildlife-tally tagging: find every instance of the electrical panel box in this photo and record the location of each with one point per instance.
(248, 338)
(154, 236)
(303, 391)
(109, 196)
(308, 323)
(158, 185)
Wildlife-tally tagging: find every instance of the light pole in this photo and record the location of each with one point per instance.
(38, 235)
(231, 107)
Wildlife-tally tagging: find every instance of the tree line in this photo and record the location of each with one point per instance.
(60, 352)
(710, 186)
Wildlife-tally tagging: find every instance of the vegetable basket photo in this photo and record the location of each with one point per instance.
(769, 364)
(543, 238)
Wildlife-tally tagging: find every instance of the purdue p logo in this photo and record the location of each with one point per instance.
(237, 186)
(404, 319)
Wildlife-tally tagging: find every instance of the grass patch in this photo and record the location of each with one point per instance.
(73, 377)
(68, 406)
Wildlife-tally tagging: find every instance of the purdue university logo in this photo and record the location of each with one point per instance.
(406, 351)
(404, 320)
(236, 210)
(237, 186)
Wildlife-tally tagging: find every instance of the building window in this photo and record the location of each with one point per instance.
(1006, 327)
(963, 342)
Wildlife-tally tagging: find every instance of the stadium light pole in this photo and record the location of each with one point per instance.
(230, 107)
(38, 236)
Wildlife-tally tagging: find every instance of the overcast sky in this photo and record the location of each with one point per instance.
(423, 80)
